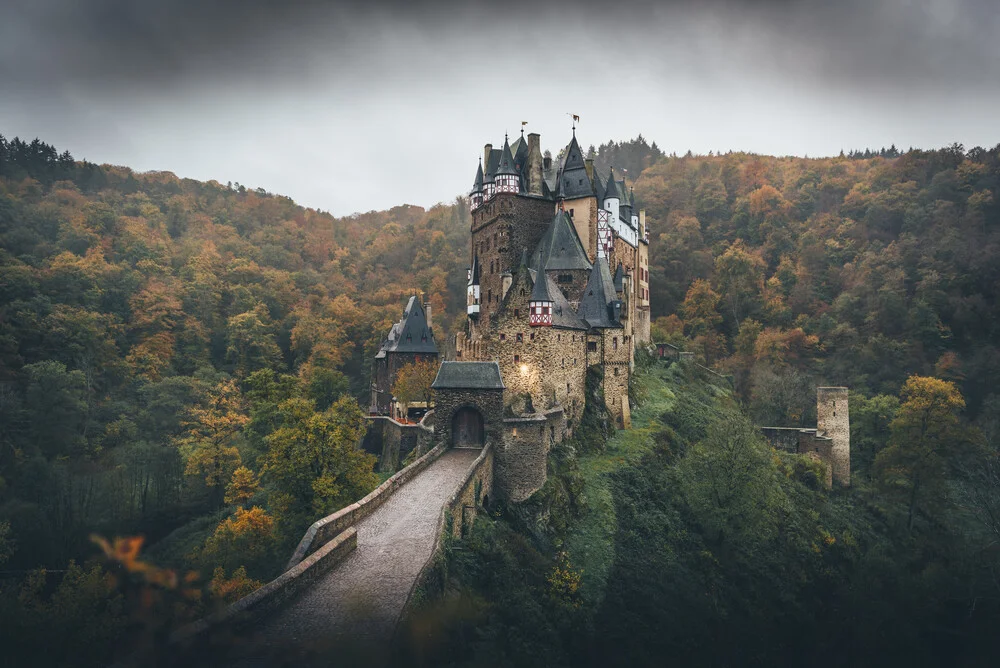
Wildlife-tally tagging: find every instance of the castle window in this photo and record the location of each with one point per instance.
(513, 432)
(574, 361)
(489, 296)
(517, 359)
(616, 371)
(520, 337)
(532, 336)
(517, 313)
(503, 337)
(591, 346)
(567, 388)
(564, 363)
(571, 210)
(614, 343)
(565, 278)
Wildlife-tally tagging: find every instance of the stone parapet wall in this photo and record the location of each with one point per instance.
(474, 493)
(325, 529)
(276, 592)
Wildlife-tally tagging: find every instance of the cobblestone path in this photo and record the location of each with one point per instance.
(360, 601)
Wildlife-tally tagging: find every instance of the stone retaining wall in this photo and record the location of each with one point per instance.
(392, 441)
(325, 529)
(277, 591)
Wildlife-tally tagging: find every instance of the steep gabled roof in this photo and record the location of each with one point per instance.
(560, 247)
(599, 188)
(490, 169)
(573, 180)
(597, 305)
(414, 335)
(468, 376)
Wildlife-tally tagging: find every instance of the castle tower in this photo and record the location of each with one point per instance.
(540, 306)
(833, 418)
(507, 178)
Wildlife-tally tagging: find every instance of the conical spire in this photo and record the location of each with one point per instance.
(477, 187)
(474, 271)
(506, 160)
(540, 291)
(611, 189)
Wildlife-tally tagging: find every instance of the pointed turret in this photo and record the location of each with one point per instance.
(612, 200)
(473, 290)
(600, 306)
(541, 301)
(508, 180)
(476, 196)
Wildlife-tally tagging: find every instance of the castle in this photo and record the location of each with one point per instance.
(558, 284)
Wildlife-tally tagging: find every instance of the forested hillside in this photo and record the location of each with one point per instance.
(789, 272)
(189, 362)
(177, 354)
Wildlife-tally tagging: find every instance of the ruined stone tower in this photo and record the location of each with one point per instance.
(833, 419)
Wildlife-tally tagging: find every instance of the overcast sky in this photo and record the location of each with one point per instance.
(357, 106)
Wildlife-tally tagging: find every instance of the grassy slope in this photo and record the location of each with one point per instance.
(591, 541)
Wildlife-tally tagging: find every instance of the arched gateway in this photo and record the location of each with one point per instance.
(467, 429)
(468, 404)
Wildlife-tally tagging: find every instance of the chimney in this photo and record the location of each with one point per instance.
(486, 156)
(642, 223)
(589, 166)
(427, 314)
(547, 163)
(534, 164)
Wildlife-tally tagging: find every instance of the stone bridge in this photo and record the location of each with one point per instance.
(350, 579)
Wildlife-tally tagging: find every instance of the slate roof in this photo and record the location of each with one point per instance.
(563, 314)
(468, 376)
(474, 272)
(597, 305)
(411, 334)
(598, 188)
(619, 278)
(560, 247)
(611, 189)
(573, 178)
(540, 290)
(477, 187)
(506, 165)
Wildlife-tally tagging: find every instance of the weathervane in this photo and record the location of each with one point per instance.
(576, 119)
(523, 123)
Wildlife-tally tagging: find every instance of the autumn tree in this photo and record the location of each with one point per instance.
(413, 382)
(925, 435)
(740, 274)
(315, 458)
(244, 537)
(209, 446)
(242, 486)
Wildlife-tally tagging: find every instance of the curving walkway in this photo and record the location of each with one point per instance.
(360, 601)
